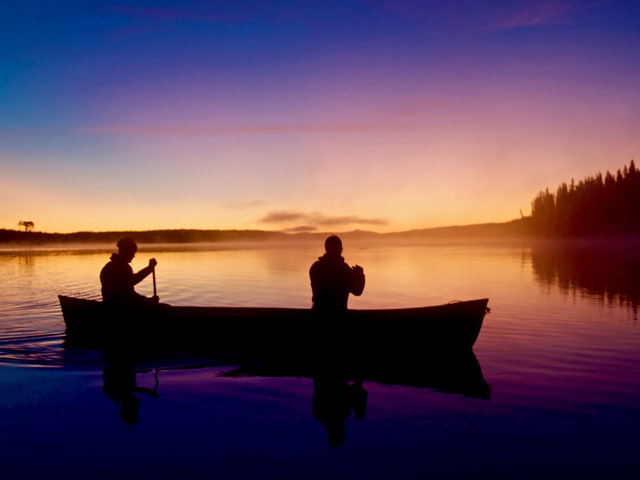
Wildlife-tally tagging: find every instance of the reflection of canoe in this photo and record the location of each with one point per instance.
(454, 372)
(238, 330)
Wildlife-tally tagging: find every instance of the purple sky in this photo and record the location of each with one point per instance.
(377, 115)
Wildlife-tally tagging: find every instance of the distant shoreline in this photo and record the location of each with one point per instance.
(508, 231)
(489, 230)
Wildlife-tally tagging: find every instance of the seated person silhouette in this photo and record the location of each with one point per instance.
(332, 280)
(118, 280)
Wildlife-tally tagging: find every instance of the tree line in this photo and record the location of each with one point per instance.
(595, 206)
(151, 236)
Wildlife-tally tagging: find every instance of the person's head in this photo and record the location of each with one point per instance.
(333, 245)
(127, 247)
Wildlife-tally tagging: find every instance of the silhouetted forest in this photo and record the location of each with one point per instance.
(596, 206)
(151, 236)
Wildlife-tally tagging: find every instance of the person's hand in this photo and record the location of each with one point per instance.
(155, 299)
(153, 263)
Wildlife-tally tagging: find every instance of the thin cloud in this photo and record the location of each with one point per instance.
(239, 130)
(188, 131)
(317, 219)
(541, 13)
(301, 229)
(283, 217)
(474, 16)
(399, 116)
(532, 14)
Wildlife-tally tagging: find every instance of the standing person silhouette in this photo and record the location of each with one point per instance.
(332, 280)
(118, 280)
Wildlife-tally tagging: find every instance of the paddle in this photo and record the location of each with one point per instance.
(155, 293)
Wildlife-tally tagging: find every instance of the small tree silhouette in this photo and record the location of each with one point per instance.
(28, 225)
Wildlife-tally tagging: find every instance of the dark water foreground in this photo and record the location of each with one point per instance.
(190, 420)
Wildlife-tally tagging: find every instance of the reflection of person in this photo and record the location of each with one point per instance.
(118, 279)
(333, 400)
(332, 279)
(119, 377)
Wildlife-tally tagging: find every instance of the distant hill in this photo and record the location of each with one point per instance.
(513, 229)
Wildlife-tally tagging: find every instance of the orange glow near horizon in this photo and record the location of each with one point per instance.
(419, 120)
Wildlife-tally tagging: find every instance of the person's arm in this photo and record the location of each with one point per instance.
(357, 281)
(145, 272)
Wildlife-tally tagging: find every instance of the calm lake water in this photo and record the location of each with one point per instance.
(560, 350)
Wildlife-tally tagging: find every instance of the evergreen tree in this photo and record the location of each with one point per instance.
(598, 205)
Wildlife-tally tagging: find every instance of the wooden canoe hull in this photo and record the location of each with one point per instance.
(239, 330)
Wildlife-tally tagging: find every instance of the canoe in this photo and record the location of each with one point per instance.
(272, 331)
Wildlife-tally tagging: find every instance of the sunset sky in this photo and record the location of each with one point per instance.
(382, 115)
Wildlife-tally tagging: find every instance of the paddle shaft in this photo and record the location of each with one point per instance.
(154, 282)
